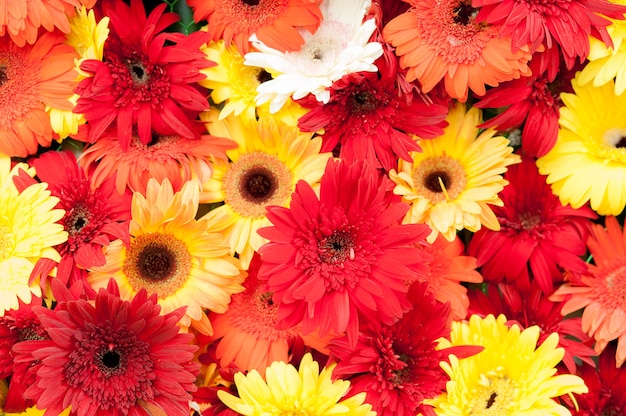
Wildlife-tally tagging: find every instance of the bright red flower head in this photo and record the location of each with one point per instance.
(111, 357)
(344, 257)
(533, 102)
(93, 216)
(540, 22)
(539, 237)
(147, 80)
(370, 121)
(397, 365)
(534, 308)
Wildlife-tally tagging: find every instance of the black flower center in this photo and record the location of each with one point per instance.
(28, 334)
(621, 143)
(156, 262)
(76, 219)
(110, 361)
(251, 2)
(263, 76)
(464, 13)
(491, 400)
(138, 72)
(362, 102)
(336, 248)
(266, 298)
(258, 184)
(434, 181)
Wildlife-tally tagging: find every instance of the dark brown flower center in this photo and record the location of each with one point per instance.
(251, 2)
(258, 184)
(156, 262)
(28, 334)
(263, 76)
(266, 298)
(336, 248)
(362, 102)
(434, 181)
(76, 219)
(464, 13)
(491, 400)
(3, 76)
(612, 411)
(621, 143)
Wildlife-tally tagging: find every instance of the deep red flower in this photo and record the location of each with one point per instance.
(148, 79)
(370, 121)
(539, 236)
(111, 357)
(534, 308)
(18, 325)
(532, 102)
(607, 395)
(398, 365)
(94, 216)
(344, 257)
(540, 22)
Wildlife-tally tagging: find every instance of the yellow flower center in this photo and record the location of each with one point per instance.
(439, 179)
(257, 180)
(7, 243)
(494, 395)
(158, 262)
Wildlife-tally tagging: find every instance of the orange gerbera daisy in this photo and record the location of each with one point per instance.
(33, 79)
(447, 269)
(276, 23)
(601, 291)
(22, 19)
(440, 39)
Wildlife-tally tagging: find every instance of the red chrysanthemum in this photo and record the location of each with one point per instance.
(534, 308)
(16, 326)
(94, 216)
(398, 365)
(111, 357)
(276, 23)
(540, 22)
(539, 236)
(533, 102)
(344, 257)
(607, 395)
(370, 121)
(148, 79)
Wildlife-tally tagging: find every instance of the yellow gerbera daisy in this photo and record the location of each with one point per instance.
(33, 411)
(174, 255)
(452, 182)
(271, 158)
(235, 84)
(511, 376)
(607, 63)
(87, 37)
(588, 161)
(28, 232)
(288, 391)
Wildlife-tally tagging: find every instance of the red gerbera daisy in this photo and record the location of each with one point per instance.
(111, 357)
(398, 365)
(343, 257)
(606, 396)
(148, 79)
(533, 101)
(534, 308)
(539, 236)
(537, 22)
(276, 23)
(16, 326)
(93, 216)
(368, 119)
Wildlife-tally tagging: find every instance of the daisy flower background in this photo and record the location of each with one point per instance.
(312, 207)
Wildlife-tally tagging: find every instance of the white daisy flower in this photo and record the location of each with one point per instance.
(340, 46)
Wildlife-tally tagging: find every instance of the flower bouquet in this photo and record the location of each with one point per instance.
(312, 207)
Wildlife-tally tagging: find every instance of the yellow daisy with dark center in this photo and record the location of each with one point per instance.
(174, 255)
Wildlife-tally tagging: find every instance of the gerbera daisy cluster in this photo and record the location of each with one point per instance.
(312, 207)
